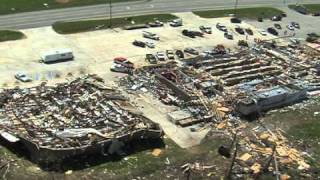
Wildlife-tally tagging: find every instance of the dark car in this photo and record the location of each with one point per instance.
(139, 44)
(283, 14)
(239, 30)
(197, 33)
(316, 14)
(276, 18)
(273, 31)
(228, 35)
(188, 33)
(180, 54)
(249, 31)
(221, 27)
(277, 26)
(151, 58)
(235, 20)
(260, 19)
(191, 51)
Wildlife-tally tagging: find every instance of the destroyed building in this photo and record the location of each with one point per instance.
(79, 117)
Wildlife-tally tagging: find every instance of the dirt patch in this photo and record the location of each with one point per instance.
(63, 1)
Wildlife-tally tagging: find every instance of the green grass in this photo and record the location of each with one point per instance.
(7, 35)
(33, 5)
(312, 8)
(248, 13)
(90, 25)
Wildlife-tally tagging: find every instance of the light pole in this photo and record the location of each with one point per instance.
(235, 7)
(110, 13)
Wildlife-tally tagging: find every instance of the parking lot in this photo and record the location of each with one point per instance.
(94, 51)
(308, 23)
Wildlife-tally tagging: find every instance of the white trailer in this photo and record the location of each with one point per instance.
(57, 55)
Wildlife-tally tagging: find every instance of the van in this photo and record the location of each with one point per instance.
(57, 55)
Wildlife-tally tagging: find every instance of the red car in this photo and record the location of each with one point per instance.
(123, 61)
(119, 60)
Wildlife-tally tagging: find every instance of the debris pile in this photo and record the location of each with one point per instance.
(78, 114)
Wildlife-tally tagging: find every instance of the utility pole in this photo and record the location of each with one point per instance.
(110, 13)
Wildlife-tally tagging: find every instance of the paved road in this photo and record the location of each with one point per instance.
(47, 17)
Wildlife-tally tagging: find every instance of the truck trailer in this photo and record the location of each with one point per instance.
(57, 55)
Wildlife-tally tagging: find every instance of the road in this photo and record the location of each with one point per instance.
(47, 17)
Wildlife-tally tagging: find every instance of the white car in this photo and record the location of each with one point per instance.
(170, 54)
(120, 68)
(263, 32)
(150, 44)
(150, 35)
(290, 27)
(22, 77)
(161, 56)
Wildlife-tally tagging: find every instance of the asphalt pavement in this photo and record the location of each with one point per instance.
(47, 17)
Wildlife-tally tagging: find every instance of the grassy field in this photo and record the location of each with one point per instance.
(248, 13)
(7, 35)
(302, 127)
(312, 8)
(15, 6)
(90, 25)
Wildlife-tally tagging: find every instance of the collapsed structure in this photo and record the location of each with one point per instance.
(219, 90)
(80, 117)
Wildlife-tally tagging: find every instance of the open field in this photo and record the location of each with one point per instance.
(16, 6)
(89, 25)
(7, 35)
(247, 13)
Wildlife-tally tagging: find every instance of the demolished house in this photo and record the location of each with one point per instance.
(80, 117)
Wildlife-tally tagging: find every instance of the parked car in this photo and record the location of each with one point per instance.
(316, 14)
(120, 68)
(228, 35)
(205, 29)
(149, 44)
(22, 77)
(276, 18)
(176, 23)
(294, 40)
(119, 60)
(156, 23)
(197, 33)
(260, 19)
(191, 51)
(262, 32)
(123, 61)
(283, 14)
(295, 24)
(278, 26)
(180, 54)
(160, 56)
(221, 27)
(249, 31)
(150, 35)
(139, 43)
(188, 33)
(235, 20)
(290, 27)
(239, 30)
(170, 54)
(273, 31)
(151, 58)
